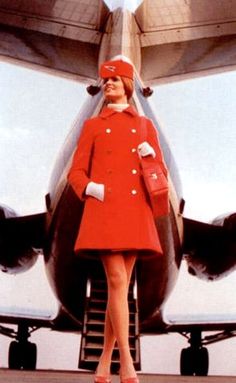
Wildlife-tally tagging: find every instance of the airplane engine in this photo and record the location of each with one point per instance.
(211, 248)
(17, 235)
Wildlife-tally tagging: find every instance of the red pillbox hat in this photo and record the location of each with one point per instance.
(116, 68)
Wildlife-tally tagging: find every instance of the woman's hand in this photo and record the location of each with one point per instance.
(95, 190)
(144, 150)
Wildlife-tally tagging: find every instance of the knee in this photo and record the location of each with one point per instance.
(117, 279)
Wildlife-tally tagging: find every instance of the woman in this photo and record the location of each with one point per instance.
(117, 222)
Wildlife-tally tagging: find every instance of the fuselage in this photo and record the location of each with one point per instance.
(68, 273)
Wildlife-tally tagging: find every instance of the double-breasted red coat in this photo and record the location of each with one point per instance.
(107, 154)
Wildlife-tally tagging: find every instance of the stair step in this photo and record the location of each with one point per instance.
(100, 305)
(99, 316)
(94, 333)
(97, 300)
(104, 299)
(101, 283)
(98, 323)
(96, 346)
(95, 322)
(92, 337)
(102, 294)
(99, 346)
(90, 310)
(94, 356)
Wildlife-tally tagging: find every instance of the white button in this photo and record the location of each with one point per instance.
(108, 130)
(134, 192)
(134, 171)
(133, 130)
(133, 150)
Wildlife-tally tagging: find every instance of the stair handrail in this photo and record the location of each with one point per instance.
(88, 288)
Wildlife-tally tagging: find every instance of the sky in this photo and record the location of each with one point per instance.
(128, 4)
(198, 118)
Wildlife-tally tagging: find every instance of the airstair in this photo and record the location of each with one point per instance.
(93, 326)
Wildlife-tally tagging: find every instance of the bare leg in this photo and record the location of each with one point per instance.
(103, 368)
(118, 270)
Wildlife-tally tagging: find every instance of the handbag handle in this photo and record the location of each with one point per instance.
(143, 129)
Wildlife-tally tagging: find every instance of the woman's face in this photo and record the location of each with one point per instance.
(114, 90)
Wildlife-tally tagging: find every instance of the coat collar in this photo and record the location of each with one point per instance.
(108, 112)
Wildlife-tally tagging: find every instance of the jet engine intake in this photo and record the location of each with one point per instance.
(210, 249)
(21, 239)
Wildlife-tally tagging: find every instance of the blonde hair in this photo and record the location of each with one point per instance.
(128, 86)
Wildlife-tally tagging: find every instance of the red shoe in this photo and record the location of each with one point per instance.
(102, 379)
(130, 380)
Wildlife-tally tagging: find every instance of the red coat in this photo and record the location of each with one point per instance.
(107, 154)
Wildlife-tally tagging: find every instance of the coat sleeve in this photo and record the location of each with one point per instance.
(153, 140)
(78, 176)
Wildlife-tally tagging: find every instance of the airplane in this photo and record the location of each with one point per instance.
(166, 41)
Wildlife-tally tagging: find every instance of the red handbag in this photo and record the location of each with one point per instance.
(156, 183)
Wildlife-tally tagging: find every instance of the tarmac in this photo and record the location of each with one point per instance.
(41, 376)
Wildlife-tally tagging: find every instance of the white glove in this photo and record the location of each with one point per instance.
(95, 190)
(144, 150)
